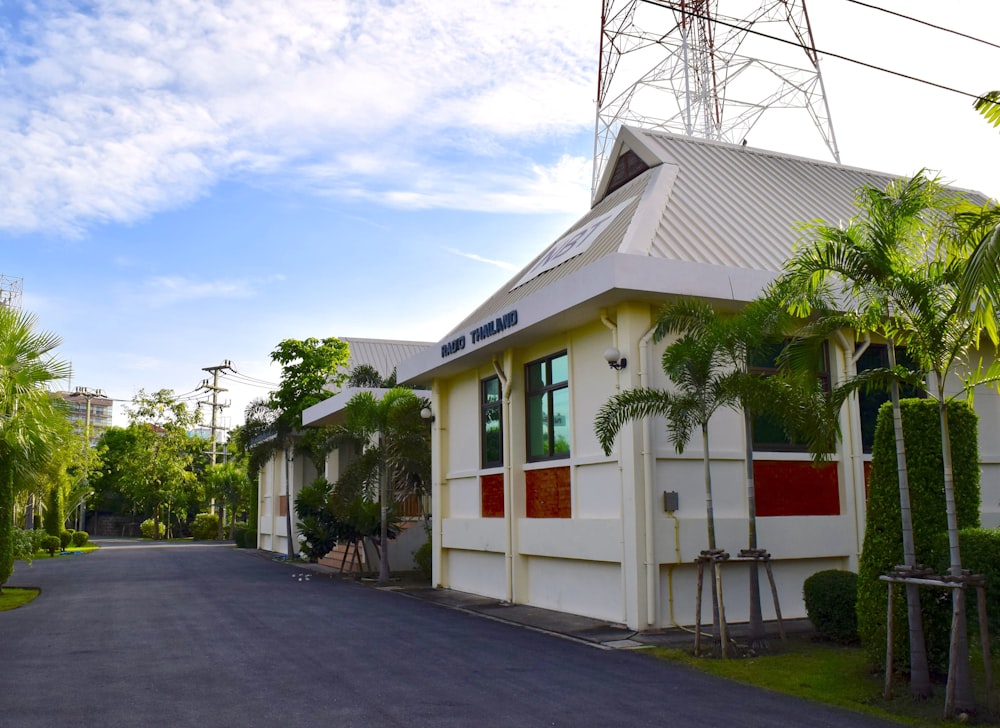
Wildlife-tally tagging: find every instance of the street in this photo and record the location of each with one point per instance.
(201, 634)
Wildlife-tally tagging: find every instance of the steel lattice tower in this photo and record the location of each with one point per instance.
(10, 291)
(682, 67)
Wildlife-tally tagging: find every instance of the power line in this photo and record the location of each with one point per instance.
(924, 22)
(676, 8)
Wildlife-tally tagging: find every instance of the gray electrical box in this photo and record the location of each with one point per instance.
(671, 501)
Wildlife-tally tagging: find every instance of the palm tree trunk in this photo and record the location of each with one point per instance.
(757, 638)
(6, 525)
(920, 680)
(717, 610)
(959, 697)
(383, 534)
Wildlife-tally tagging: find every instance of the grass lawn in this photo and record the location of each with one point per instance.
(73, 550)
(831, 674)
(12, 598)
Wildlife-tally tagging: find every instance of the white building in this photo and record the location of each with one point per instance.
(528, 509)
(279, 482)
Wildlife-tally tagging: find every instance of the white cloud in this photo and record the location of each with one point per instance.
(125, 109)
(162, 291)
(472, 256)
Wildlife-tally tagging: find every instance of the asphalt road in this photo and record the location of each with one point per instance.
(203, 635)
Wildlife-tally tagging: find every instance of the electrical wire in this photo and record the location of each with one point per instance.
(924, 22)
(249, 382)
(247, 378)
(676, 8)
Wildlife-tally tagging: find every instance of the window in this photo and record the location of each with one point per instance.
(547, 405)
(876, 356)
(768, 434)
(491, 423)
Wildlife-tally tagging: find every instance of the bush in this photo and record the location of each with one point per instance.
(51, 544)
(205, 527)
(80, 538)
(883, 543)
(423, 557)
(831, 604)
(250, 538)
(65, 539)
(980, 549)
(147, 526)
(26, 543)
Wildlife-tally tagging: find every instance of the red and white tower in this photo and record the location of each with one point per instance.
(683, 67)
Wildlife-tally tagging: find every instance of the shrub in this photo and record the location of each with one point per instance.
(147, 526)
(831, 603)
(51, 544)
(250, 539)
(26, 544)
(980, 549)
(883, 543)
(80, 538)
(65, 539)
(423, 557)
(205, 527)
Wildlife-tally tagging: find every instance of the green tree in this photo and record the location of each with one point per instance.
(29, 415)
(989, 106)
(393, 443)
(229, 485)
(164, 452)
(310, 372)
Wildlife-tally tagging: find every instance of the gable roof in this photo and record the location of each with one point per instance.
(690, 217)
(382, 354)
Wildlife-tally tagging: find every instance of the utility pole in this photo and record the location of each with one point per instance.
(214, 388)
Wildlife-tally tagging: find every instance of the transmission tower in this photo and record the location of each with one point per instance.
(10, 291)
(682, 67)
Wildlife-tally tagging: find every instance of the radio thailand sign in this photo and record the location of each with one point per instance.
(489, 329)
(573, 244)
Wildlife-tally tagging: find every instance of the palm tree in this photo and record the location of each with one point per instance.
(863, 261)
(700, 364)
(394, 452)
(29, 415)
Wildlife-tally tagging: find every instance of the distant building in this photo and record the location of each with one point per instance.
(83, 400)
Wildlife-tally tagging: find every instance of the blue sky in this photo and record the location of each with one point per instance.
(191, 181)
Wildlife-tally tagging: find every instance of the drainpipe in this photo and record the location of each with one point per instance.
(613, 327)
(508, 484)
(648, 473)
(852, 354)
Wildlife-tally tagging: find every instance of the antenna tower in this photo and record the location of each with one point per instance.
(680, 66)
(10, 291)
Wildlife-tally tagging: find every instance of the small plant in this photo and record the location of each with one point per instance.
(250, 539)
(205, 527)
(423, 556)
(80, 538)
(831, 604)
(26, 543)
(65, 539)
(51, 544)
(147, 526)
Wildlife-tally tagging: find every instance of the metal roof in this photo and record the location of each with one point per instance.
(709, 218)
(383, 354)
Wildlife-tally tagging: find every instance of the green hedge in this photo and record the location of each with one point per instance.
(147, 526)
(80, 538)
(883, 544)
(51, 544)
(980, 549)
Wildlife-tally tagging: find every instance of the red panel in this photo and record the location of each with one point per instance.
(868, 476)
(491, 496)
(796, 488)
(548, 493)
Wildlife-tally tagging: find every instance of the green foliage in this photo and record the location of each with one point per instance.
(65, 539)
(26, 543)
(250, 538)
(423, 557)
(309, 368)
(831, 604)
(980, 555)
(205, 527)
(55, 511)
(883, 545)
(318, 526)
(989, 106)
(51, 544)
(147, 527)
(80, 538)
(239, 530)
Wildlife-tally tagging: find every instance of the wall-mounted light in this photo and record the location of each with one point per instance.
(427, 414)
(614, 358)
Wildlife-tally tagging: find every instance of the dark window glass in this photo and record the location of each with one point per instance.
(491, 423)
(768, 434)
(876, 356)
(547, 407)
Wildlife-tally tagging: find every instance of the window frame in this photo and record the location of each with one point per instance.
(771, 370)
(484, 408)
(546, 391)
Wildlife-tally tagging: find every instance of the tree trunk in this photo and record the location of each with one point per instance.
(717, 605)
(383, 498)
(920, 680)
(756, 637)
(6, 525)
(959, 674)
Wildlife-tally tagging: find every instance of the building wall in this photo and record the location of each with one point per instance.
(614, 553)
